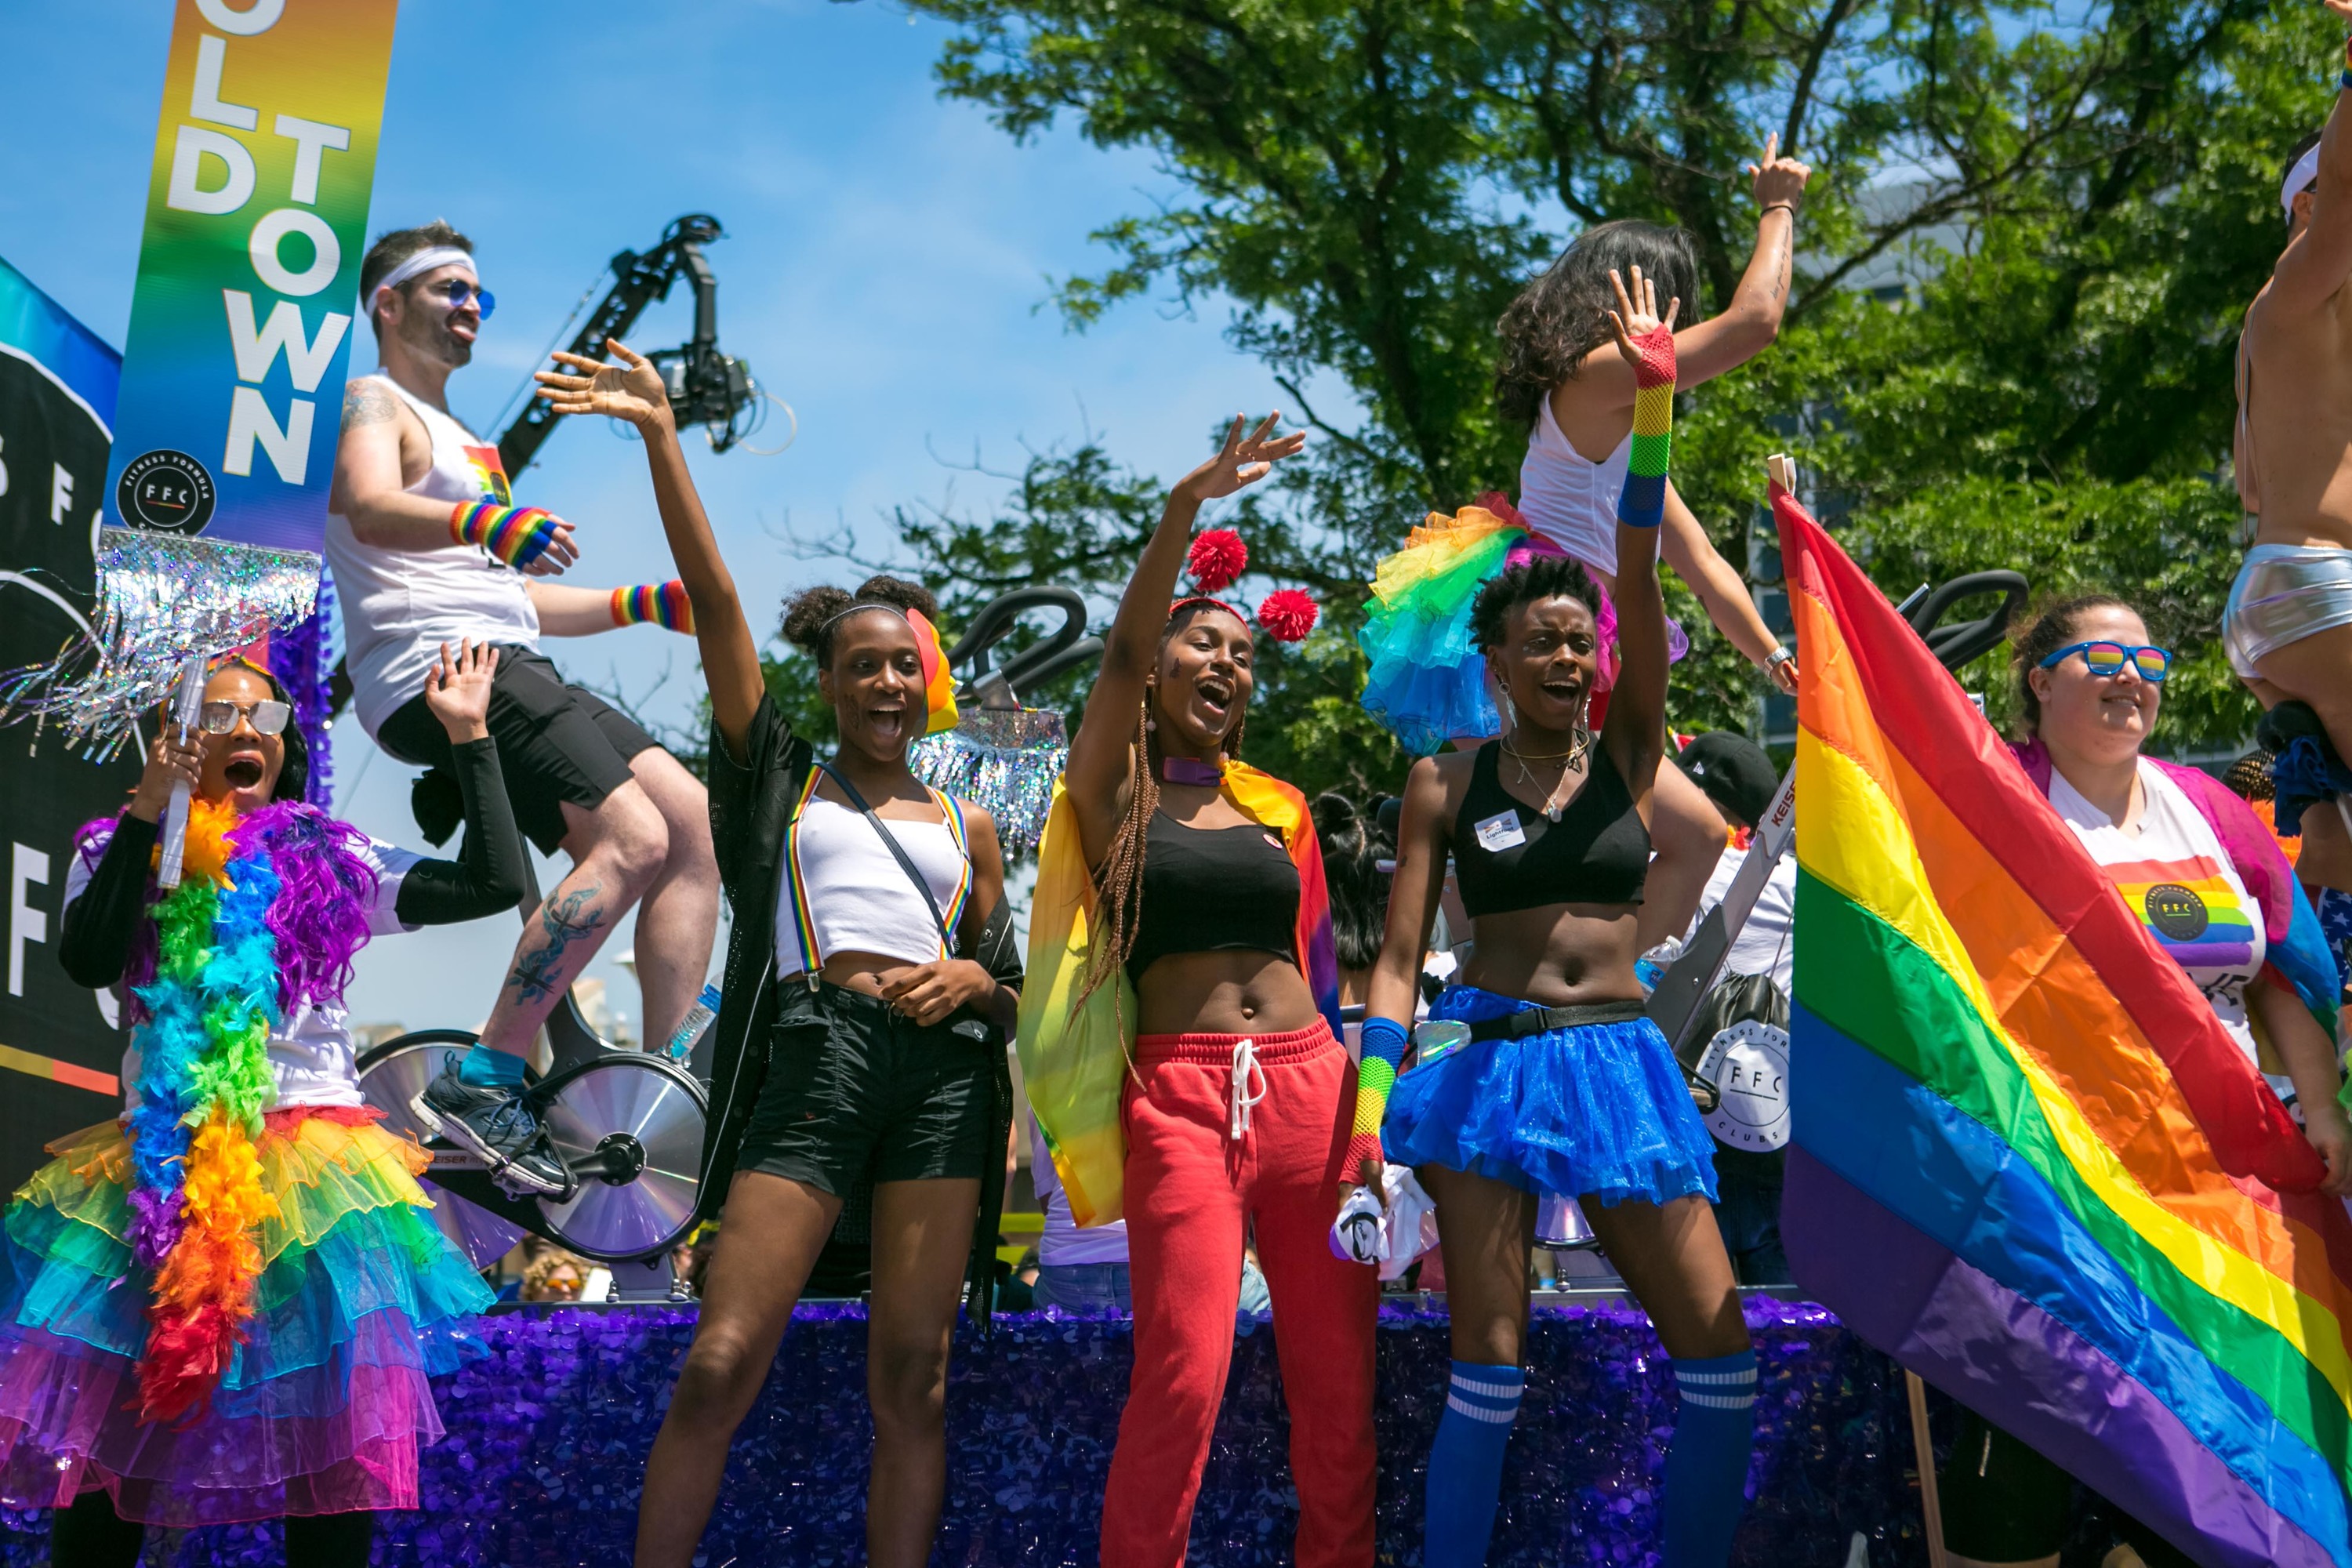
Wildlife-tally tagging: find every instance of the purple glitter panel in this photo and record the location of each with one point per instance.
(299, 659)
(548, 1438)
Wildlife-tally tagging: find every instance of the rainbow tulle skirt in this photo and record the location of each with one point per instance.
(361, 1301)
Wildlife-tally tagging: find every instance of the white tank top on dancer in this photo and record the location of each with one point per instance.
(1570, 499)
(401, 605)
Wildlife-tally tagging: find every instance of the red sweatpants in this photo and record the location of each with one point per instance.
(1191, 1186)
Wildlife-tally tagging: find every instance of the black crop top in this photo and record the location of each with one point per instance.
(1206, 889)
(1596, 853)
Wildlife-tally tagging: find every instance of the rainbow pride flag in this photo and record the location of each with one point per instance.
(2026, 1161)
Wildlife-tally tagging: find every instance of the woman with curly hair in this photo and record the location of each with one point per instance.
(860, 1040)
(1179, 1042)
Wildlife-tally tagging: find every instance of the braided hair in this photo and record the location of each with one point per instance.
(1119, 881)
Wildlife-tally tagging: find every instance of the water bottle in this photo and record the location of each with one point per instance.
(689, 1029)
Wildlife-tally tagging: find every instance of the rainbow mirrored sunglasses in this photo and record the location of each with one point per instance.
(2152, 664)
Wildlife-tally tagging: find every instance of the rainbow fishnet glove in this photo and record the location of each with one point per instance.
(517, 535)
(1384, 1041)
(1643, 502)
(664, 604)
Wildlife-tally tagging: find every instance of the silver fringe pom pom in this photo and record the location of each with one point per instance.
(162, 599)
(1002, 759)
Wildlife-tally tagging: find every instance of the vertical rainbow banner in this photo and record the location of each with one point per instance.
(2026, 1161)
(215, 498)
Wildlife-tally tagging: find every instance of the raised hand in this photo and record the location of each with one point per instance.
(1243, 460)
(1778, 181)
(2343, 9)
(631, 390)
(1636, 315)
(457, 690)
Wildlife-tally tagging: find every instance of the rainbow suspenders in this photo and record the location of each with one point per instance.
(804, 927)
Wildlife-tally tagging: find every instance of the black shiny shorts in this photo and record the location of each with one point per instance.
(857, 1091)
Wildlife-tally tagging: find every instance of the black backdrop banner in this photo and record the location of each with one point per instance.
(60, 1046)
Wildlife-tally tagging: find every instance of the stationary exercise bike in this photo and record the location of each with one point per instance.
(627, 1124)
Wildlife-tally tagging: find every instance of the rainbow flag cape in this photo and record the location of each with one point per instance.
(2027, 1163)
(1074, 1059)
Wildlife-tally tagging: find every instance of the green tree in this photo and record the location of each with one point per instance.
(2067, 207)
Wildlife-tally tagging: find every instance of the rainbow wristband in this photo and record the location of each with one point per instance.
(1643, 503)
(517, 535)
(664, 604)
(1383, 1052)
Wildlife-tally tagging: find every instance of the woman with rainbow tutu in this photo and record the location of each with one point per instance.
(1540, 1073)
(225, 1306)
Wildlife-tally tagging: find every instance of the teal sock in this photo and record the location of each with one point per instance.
(488, 1068)
(1706, 1463)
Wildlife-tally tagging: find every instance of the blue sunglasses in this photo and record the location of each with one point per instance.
(2109, 658)
(457, 291)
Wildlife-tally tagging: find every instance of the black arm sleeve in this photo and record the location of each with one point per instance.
(100, 925)
(487, 878)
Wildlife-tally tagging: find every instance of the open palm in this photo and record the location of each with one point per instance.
(1243, 459)
(631, 390)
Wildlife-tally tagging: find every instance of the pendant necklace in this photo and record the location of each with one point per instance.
(1579, 743)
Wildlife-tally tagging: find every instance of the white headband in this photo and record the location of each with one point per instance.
(423, 261)
(2299, 178)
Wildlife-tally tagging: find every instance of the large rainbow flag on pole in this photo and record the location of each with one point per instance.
(2026, 1161)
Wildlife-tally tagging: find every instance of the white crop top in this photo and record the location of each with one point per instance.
(844, 891)
(400, 605)
(1568, 498)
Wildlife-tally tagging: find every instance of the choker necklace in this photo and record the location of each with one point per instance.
(1191, 771)
(1579, 743)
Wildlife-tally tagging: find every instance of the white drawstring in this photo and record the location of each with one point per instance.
(1245, 1064)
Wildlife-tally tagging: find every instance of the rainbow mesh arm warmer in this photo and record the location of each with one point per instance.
(663, 604)
(1384, 1041)
(515, 534)
(1644, 503)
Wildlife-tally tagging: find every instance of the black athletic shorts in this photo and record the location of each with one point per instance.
(858, 1091)
(2003, 1502)
(556, 743)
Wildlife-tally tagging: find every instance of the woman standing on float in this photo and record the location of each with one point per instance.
(1561, 380)
(850, 1045)
(1554, 1080)
(226, 1305)
(1181, 934)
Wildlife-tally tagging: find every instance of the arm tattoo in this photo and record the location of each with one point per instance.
(539, 973)
(365, 403)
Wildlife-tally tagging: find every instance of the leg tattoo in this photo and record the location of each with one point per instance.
(539, 973)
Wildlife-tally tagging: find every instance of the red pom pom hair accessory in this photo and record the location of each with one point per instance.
(1287, 615)
(1217, 560)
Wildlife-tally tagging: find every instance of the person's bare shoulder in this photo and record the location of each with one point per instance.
(367, 401)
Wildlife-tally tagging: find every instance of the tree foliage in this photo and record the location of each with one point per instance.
(2031, 236)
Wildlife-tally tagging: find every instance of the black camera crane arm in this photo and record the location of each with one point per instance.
(639, 279)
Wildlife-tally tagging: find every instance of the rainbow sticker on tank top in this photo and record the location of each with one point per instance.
(491, 473)
(2191, 908)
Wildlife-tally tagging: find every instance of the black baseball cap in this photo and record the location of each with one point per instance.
(1734, 772)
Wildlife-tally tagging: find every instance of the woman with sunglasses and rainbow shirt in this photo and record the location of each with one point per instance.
(2213, 889)
(225, 1304)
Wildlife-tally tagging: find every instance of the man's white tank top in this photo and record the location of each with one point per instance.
(1569, 499)
(400, 605)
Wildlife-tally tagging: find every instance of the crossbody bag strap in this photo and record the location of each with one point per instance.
(905, 862)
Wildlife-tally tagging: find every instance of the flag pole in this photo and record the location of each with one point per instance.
(1929, 1503)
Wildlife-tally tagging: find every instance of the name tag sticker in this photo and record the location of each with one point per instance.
(1500, 832)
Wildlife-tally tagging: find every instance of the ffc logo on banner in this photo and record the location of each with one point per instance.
(256, 218)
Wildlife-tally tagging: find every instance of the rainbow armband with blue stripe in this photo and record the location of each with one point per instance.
(1643, 502)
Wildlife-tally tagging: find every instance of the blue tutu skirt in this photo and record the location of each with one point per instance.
(1600, 1111)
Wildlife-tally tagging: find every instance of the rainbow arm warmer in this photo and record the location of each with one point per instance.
(664, 604)
(1643, 502)
(515, 534)
(1384, 1041)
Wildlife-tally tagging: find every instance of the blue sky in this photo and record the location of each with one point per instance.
(887, 257)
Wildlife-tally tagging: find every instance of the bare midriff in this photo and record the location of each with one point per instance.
(1557, 955)
(1228, 991)
(2299, 429)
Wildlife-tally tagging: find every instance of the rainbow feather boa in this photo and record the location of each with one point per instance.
(266, 919)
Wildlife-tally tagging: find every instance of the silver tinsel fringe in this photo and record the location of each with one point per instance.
(160, 598)
(1005, 761)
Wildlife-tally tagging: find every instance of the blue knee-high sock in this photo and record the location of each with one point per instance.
(487, 1069)
(1465, 1468)
(1706, 1464)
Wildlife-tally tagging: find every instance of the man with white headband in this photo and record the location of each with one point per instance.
(2288, 625)
(428, 547)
